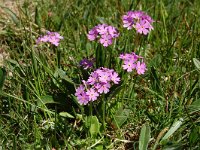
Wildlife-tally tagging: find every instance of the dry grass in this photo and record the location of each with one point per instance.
(11, 4)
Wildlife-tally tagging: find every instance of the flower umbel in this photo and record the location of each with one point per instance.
(131, 62)
(51, 37)
(138, 20)
(98, 83)
(104, 33)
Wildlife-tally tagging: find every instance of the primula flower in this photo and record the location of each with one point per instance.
(80, 90)
(93, 78)
(104, 33)
(83, 98)
(113, 32)
(106, 40)
(115, 78)
(142, 27)
(138, 20)
(44, 39)
(131, 62)
(104, 77)
(92, 94)
(141, 67)
(53, 40)
(92, 35)
(128, 20)
(102, 29)
(128, 65)
(103, 87)
(129, 57)
(51, 37)
(99, 82)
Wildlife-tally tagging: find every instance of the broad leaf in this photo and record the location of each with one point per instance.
(99, 147)
(47, 99)
(66, 114)
(173, 128)
(94, 126)
(144, 137)
(63, 76)
(195, 106)
(121, 116)
(196, 63)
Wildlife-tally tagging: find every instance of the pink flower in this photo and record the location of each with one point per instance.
(102, 29)
(103, 87)
(113, 32)
(83, 98)
(141, 67)
(98, 82)
(138, 20)
(57, 36)
(128, 65)
(51, 37)
(104, 77)
(92, 94)
(53, 40)
(130, 62)
(80, 90)
(104, 33)
(93, 78)
(137, 15)
(142, 27)
(128, 20)
(115, 78)
(92, 35)
(44, 38)
(106, 40)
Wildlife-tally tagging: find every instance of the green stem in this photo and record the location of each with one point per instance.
(58, 52)
(90, 109)
(104, 112)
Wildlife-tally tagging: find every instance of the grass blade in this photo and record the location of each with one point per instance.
(173, 128)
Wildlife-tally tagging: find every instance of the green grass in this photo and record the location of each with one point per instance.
(158, 110)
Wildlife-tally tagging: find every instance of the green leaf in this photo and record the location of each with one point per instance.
(47, 99)
(144, 137)
(121, 116)
(194, 135)
(155, 81)
(38, 19)
(173, 128)
(14, 62)
(63, 76)
(66, 114)
(99, 147)
(195, 106)
(196, 63)
(94, 126)
(173, 147)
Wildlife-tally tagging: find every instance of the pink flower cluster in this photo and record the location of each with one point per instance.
(99, 82)
(130, 62)
(138, 20)
(104, 32)
(51, 37)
